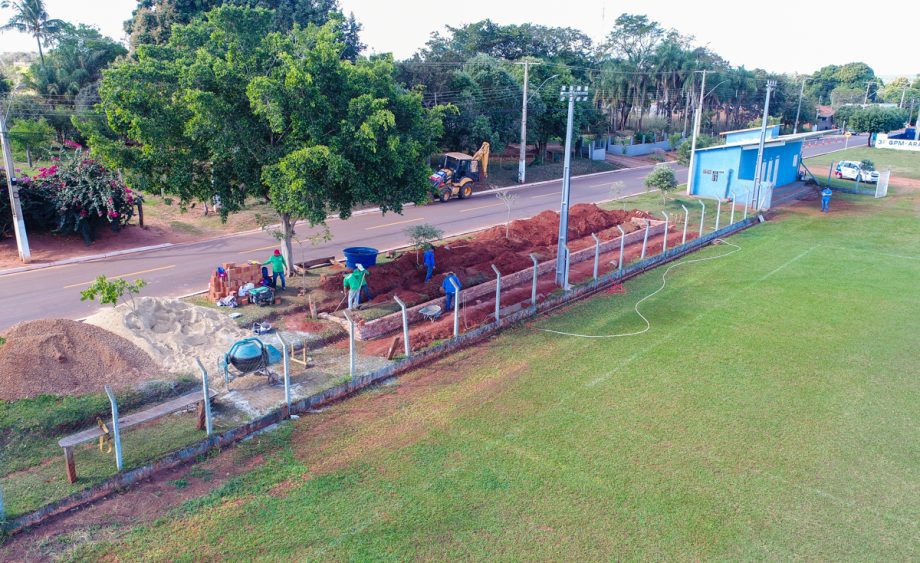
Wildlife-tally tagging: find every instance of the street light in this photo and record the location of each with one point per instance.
(522, 156)
(696, 129)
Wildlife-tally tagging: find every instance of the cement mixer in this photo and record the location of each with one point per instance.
(249, 355)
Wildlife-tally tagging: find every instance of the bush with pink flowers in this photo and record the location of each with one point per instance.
(76, 195)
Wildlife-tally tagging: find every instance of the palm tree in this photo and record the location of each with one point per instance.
(31, 17)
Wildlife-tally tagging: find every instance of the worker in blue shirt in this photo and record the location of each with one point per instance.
(826, 200)
(428, 259)
(449, 289)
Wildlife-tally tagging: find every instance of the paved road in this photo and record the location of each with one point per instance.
(184, 269)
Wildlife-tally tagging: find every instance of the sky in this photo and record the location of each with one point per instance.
(785, 36)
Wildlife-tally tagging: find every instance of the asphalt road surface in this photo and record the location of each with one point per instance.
(185, 268)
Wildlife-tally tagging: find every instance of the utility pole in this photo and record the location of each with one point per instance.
(19, 224)
(696, 131)
(901, 103)
(771, 84)
(866, 99)
(523, 152)
(799, 109)
(570, 92)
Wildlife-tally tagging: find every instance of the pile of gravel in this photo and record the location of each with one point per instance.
(65, 357)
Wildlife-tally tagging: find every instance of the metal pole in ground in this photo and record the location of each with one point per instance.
(747, 203)
(829, 170)
(533, 290)
(351, 344)
(683, 239)
(498, 293)
(286, 366)
(456, 307)
(597, 253)
(208, 424)
(718, 212)
(571, 94)
(116, 432)
(622, 247)
(731, 220)
(405, 319)
(702, 216)
(522, 157)
(568, 256)
(645, 240)
(664, 244)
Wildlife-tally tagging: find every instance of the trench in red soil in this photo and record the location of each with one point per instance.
(482, 310)
(472, 259)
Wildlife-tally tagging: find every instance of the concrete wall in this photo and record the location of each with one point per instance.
(720, 171)
(638, 150)
(714, 170)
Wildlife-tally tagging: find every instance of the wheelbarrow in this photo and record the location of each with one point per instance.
(430, 312)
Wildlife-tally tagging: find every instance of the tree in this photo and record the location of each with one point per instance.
(27, 134)
(31, 17)
(509, 198)
(662, 178)
(77, 60)
(230, 107)
(422, 235)
(110, 292)
(153, 20)
(874, 119)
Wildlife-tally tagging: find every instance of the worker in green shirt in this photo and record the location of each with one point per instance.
(278, 267)
(354, 283)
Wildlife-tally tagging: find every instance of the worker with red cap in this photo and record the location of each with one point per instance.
(278, 267)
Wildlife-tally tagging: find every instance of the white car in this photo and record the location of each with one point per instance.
(851, 170)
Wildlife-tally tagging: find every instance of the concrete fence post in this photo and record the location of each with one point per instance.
(683, 239)
(456, 307)
(731, 220)
(597, 253)
(286, 366)
(747, 203)
(718, 212)
(829, 170)
(351, 344)
(116, 431)
(533, 289)
(664, 243)
(645, 239)
(405, 323)
(702, 216)
(622, 247)
(568, 256)
(498, 293)
(208, 423)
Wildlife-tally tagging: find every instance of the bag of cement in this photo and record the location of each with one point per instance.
(228, 301)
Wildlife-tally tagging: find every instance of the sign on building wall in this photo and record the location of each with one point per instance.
(883, 142)
(714, 174)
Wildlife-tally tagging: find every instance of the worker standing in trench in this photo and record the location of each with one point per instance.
(449, 290)
(354, 283)
(428, 259)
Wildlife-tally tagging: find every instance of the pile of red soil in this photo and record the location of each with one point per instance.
(65, 357)
(472, 260)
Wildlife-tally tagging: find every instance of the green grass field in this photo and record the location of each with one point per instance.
(769, 413)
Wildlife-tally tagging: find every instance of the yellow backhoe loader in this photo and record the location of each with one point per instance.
(457, 172)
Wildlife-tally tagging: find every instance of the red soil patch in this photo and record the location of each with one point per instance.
(471, 260)
(299, 323)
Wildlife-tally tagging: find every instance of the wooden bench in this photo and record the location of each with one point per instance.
(133, 419)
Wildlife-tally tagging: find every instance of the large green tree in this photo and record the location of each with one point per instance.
(152, 21)
(231, 107)
(875, 119)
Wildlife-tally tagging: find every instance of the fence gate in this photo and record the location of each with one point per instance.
(881, 188)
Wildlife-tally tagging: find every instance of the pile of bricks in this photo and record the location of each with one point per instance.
(237, 276)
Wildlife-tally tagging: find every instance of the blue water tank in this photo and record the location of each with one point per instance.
(363, 255)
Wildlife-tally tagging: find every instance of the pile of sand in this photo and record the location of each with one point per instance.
(65, 357)
(173, 332)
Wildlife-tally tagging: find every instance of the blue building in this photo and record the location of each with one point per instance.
(720, 170)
